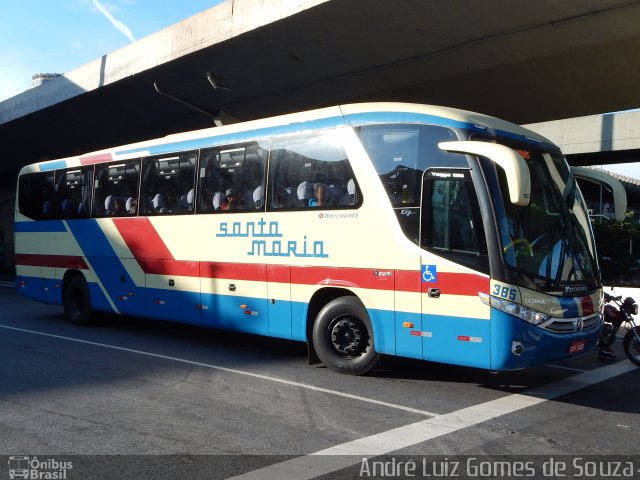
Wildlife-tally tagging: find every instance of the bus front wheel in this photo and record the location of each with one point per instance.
(342, 337)
(76, 300)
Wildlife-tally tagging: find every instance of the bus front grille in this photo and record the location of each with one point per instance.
(572, 325)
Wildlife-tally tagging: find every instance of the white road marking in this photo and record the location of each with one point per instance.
(352, 453)
(230, 370)
(567, 368)
(4, 283)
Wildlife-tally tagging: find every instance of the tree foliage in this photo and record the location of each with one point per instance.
(618, 246)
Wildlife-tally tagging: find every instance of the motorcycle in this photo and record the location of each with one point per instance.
(616, 313)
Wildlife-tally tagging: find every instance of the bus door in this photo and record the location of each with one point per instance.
(234, 296)
(455, 322)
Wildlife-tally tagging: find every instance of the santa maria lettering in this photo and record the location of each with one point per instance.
(268, 241)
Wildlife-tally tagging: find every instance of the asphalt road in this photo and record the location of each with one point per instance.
(133, 398)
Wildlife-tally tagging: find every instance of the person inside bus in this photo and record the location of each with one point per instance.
(119, 209)
(66, 208)
(132, 206)
(47, 209)
(159, 204)
(351, 197)
(217, 200)
(319, 195)
(232, 201)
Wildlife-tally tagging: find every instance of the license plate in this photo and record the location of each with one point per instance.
(577, 346)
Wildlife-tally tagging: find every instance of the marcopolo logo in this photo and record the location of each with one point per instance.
(38, 469)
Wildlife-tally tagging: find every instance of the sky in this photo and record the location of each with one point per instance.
(631, 170)
(57, 36)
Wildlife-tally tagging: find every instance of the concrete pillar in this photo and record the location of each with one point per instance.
(7, 207)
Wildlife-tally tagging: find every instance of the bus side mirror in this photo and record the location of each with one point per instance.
(608, 182)
(516, 169)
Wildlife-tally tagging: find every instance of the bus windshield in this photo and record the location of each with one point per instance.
(548, 244)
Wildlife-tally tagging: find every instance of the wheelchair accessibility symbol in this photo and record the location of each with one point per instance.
(428, 273)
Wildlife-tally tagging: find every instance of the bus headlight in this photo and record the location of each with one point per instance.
(525, 313)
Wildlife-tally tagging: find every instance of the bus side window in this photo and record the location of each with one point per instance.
(311, 170)
(116, 188)
(168, 184)
(73, 192)
(36, 195)
(231, 178)
(451, 222)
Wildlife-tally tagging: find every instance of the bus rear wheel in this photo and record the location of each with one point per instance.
(343, 338)
(77, 302)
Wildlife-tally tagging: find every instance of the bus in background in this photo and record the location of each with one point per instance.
(617, 233)
(366, 229)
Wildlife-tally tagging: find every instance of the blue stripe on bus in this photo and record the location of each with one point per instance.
(540, 345)
(55, 165)
(40, 226)
(457, 340)
(30, 287)
(237, 137)
(91, 238)
(99, 301)
(176, 305)
(569, 307)
(105, 262)
(383, 325)
(374, 118)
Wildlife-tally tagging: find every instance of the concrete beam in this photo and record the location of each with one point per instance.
(592, 134)
(213, 26)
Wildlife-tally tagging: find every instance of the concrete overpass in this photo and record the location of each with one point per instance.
(517, 59)
(599, 140)
(595, 139)
(521, 60)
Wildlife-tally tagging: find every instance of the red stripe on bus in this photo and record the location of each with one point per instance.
(154, 266)
(155, 258)
(142, 239)
(458, 284)
(447, 282)
(235, 271)
(347, 277)
(51, 261)
(408, 280)
(91, 159)
(586, 303)
(279, 273)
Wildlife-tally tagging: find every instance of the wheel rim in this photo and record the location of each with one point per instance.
(348, 336)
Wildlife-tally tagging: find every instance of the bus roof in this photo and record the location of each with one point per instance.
(354, 114)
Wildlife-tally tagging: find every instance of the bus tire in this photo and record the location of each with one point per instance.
(343, 337)
(77, 301)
